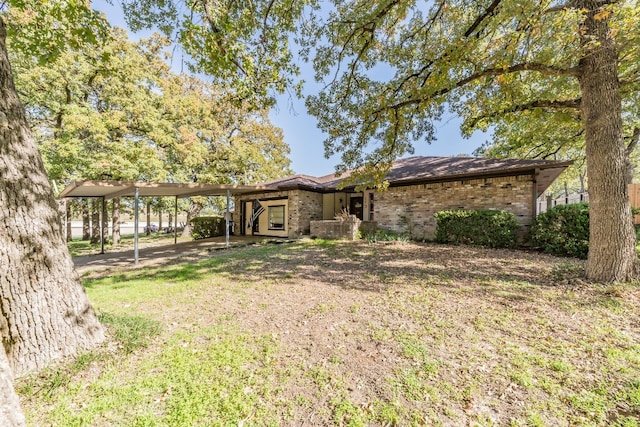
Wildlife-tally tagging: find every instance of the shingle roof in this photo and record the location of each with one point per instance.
(428, 169)
(295, 181)
(420, 168)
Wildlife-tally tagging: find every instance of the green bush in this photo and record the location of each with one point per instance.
(380, 235)
(204, 227)
(491, 228)
(563, 230)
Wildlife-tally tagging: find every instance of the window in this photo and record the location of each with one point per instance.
(276, 217)
(370, 206)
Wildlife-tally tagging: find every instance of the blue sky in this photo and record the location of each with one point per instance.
(307, 150)
(306, 140)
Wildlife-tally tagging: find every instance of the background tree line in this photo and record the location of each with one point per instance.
(113, 109)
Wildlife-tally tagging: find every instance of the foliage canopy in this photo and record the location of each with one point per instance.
(392, 66)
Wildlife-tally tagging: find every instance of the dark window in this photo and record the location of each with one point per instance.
(370, 206)
(276, 217)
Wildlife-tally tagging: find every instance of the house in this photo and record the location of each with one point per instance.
(418, 188)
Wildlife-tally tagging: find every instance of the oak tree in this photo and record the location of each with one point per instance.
(392, 67)
(46, 314)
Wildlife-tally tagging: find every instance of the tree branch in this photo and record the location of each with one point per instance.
(217, 32)
(490, 11)
(368, 27)
(268, 12)
(633, 142)
(542, 68)
(548, 104)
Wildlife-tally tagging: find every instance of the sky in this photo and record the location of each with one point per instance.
(306, 140)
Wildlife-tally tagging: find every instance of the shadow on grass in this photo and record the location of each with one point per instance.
(514, 276)
(172, 273)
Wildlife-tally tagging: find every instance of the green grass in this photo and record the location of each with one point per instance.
(131, 332)
(207, 376)
(309, 333)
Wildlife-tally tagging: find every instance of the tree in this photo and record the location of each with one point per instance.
(94, 108)
(241, 45)
(10, 412)
(396, 63)
(46, 314)
(217, 140)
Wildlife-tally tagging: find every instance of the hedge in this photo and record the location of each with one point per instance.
(563, 230)
(491, 228)
(204, 227)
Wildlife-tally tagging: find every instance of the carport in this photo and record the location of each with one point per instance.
(107, 190)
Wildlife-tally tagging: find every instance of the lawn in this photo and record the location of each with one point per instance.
(352, 333)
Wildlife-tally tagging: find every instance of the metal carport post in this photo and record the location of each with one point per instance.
(227, 214)
(136, 195)
(175, 222)
(103, 225)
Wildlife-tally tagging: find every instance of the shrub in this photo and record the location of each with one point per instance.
(563, 230)
(491, 228)
(204, 227)
(379, 235)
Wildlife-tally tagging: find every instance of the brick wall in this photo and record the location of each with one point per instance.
(411, 208)
(336, 229)
(304, 207)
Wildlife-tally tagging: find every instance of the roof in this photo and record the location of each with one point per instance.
(112, 189)
(296, 181)
(409, 171)
(424, 169)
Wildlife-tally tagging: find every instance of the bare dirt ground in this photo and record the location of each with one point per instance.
(158, 253)
(422, 334)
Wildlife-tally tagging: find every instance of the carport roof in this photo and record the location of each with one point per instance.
(112, 189)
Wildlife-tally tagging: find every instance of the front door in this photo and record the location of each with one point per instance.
(355, 207)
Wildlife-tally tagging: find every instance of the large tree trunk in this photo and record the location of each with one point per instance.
(612, 252)
(115, 224)
(44, 311)
(68, 218)
(194, 210)
(95, 221)
(86, 223)
(10, 412)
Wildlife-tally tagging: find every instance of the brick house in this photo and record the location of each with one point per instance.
(418, 188)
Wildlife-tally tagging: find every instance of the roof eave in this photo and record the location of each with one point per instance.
(480, 174)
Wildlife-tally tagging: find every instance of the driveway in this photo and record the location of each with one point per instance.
(152, 255)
